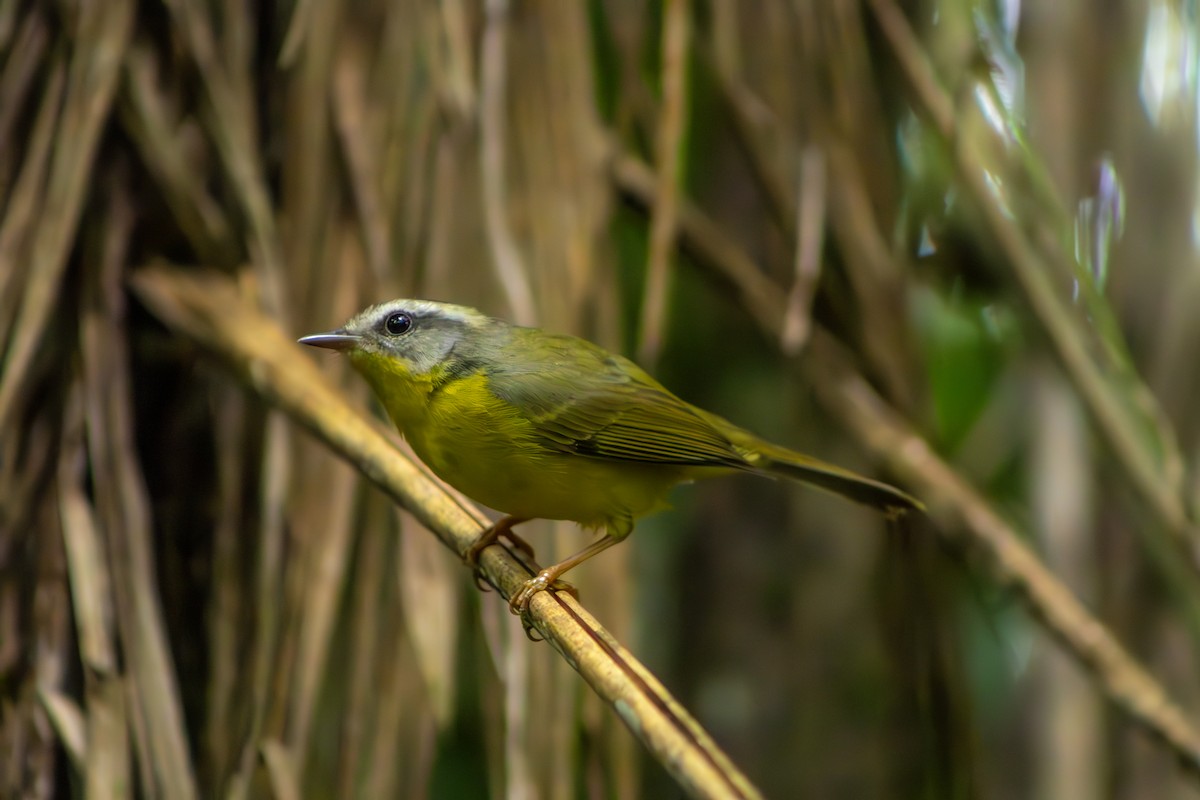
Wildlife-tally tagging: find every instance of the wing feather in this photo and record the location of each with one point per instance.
(592, 403)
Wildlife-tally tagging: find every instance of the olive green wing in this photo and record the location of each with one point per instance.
(584, 400)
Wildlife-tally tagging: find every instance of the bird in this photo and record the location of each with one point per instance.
(542, 425)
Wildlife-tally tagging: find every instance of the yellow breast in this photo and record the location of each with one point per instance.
(484, 447)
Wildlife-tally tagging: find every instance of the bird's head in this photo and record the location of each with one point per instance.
(417, 335)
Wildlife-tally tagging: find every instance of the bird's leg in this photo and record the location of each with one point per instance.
(502, 527)
(519, 602)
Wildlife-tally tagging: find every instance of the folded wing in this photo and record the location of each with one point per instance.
(589, 402)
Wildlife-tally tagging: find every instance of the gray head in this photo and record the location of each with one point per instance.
(420, 333)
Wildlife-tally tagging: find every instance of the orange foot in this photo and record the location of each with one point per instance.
(502, 528)
(519, 602)
(548, 578)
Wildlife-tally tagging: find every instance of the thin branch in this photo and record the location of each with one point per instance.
(24, 202)
(105, 764)
(810, 230)
(493, 92)
(224, 709)
(69, 724)
(669, 157)
(962, 513)
(22, 64)
(208, 309)
(349, 102)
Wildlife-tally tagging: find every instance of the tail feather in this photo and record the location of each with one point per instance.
(832, 478)
(771, 459)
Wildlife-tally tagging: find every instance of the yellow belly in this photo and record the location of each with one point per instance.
(482, 447)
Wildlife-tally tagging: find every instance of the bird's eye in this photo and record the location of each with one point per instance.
(398, 323)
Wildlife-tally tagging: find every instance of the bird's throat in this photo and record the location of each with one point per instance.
(403, 394)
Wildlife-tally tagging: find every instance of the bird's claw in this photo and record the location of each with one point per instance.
(530, 630)
(486, 539)
(471, 559)
(481, 582)
(519, 602)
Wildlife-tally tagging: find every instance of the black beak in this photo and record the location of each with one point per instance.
(334, 340)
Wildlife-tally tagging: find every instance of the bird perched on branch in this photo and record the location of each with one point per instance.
(545, 426)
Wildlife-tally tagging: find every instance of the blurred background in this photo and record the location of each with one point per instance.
(990, 205)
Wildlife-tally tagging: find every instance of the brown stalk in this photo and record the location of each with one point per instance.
(371, 612)
(25, 201)
(225, 698)
(22, 61)
(361, 152)
(395, 692)
(267, 672)
(668, 156)
(281, 770)
(810, 238)
(327, 530)
(492, 125)
(430, 593)
(104, 758)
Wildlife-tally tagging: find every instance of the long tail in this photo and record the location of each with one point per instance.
(785, 463)
(771, 459)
